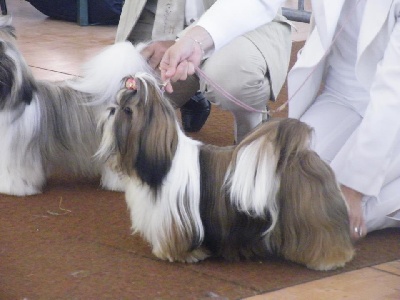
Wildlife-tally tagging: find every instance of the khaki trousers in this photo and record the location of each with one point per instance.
(242, 68)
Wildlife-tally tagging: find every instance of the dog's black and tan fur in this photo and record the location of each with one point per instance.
(268, 195)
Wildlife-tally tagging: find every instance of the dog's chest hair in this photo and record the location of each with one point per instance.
(177, 201)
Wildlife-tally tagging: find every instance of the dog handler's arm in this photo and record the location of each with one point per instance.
(220, 24)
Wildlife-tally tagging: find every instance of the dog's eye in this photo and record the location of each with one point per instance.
(112, 111)
(127, 110)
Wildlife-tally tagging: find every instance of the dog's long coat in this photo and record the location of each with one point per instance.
(47, 126)
(268, 195)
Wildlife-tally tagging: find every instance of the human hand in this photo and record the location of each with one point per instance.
(358, 229)
(180, 61)
(182, 58)
(154, 52)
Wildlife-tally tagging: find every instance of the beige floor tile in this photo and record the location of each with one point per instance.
(56, 45)
(365, 284)
(391, 267)
(300, 30)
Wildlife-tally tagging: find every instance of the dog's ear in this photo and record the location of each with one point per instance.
(17, 84)
(151, 137)
(28, 87)
(6, 77)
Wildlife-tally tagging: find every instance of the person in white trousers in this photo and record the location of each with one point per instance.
(346, 85)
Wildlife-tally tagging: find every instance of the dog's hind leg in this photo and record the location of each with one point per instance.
(313, 224)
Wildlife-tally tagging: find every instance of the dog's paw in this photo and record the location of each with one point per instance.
(338, 260)
(20, 186)
(195, 256)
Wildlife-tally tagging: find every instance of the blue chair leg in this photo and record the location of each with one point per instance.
(3, 7)
(83, 12)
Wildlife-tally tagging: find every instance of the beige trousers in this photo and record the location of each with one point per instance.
(241, 68)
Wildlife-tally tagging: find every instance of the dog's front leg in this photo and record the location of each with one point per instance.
(21, 174)
(113, 181)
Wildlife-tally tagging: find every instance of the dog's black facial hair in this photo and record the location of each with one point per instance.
(8, 82)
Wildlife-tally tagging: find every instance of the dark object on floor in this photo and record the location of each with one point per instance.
(3, 6)
(100, 11)
(195, 113)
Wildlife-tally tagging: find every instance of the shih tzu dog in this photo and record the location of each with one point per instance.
(52, 126)
(269, 195)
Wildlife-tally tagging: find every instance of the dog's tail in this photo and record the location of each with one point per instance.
(102, 76)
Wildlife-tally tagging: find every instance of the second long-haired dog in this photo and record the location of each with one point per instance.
(268, 195)
(51, 126)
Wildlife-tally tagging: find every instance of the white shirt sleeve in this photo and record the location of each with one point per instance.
(228, 19)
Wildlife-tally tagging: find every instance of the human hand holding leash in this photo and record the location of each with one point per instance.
(155, 51)
(182, 58)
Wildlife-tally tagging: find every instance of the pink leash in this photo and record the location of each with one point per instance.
(233, 99)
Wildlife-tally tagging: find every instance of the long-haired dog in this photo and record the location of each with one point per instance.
(269, 195)
(51, 126)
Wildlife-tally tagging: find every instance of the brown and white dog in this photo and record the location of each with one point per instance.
(268, 195)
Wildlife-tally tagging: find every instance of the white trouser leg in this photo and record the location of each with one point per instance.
(377, 209)
(333, 124)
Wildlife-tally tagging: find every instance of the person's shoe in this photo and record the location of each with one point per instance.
(195, 113)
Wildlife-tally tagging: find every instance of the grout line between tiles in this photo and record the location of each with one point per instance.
(59, 72)
(322, 278)
(376, 268)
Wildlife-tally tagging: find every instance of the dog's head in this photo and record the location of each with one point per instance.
(17, 84)
(139, 133)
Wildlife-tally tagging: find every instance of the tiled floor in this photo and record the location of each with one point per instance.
(375, 283)
(56, 50)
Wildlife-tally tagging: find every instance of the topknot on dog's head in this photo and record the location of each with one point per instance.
(143, 83)
(130, 83)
